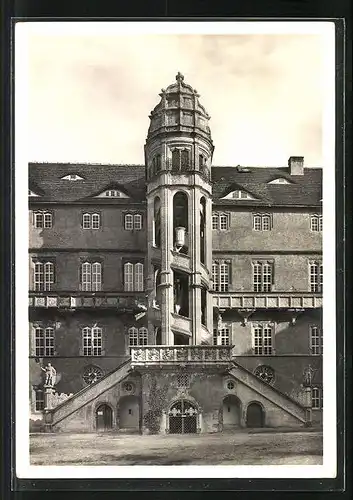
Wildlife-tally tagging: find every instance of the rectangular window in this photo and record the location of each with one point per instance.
(222, 336)
(137, 222)
(262, 276)
(39, 400)
(129, 222)
(43, 276)
(133, 277)
(44, 342)
(262, 340)
(316, 223)
(91, 277)
(86, 221)
(316, 277)
(316, 340)
(220, 276)
(223, 222)
(262, 222)
(215, 221)
(42, 220)
(137, 336)
(92, 341)
(90, 221)
(316, 398)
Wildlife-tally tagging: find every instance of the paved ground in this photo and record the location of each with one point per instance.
(242, 448)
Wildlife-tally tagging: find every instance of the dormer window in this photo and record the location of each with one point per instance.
(112, 193)
(32, 194)
(72, 177)
(279, 180)
(239, 194)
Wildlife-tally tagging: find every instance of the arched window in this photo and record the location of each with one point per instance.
(128, 222)
(180, 160)
(157, 222)
(133, 277)
(91, 277)
(43, 276)
(221, 274)
(44, 339)
(95, 221)
(202, 230)
(92, 341)
(137, 336)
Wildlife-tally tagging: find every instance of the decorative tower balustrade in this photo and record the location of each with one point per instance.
(178, 155)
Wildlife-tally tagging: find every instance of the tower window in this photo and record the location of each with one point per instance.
(180, 160)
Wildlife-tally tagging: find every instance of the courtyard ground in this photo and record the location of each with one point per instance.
(240, 448)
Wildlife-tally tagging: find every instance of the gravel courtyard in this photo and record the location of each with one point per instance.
(240, 448)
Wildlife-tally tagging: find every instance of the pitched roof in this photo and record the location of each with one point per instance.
(96, 179)
(46, 179)
(304, 189)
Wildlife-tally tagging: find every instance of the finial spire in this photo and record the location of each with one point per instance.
(179, 77)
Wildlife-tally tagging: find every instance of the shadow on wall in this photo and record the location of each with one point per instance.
(292, 350)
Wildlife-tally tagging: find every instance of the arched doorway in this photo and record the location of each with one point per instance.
(104, 418)
(183, 418)
(255, 416)
(231, 412)
(129, 413)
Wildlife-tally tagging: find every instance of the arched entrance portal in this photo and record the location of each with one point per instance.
(255, 416)
(183, 418)
(104, 418)
(129, 413)
(231, 412)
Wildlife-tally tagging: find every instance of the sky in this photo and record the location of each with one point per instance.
(90, 95)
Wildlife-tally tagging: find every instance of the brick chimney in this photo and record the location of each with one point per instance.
(296, 165)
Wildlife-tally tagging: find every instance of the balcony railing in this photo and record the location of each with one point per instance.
(181, 323)
(89, 300)
(196, 354)
(258, 300)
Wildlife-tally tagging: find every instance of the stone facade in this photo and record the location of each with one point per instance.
(191, 217)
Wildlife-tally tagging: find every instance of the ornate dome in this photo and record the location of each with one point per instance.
(179, 110)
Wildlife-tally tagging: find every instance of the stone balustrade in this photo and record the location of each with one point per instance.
(136, 302)
(195, 354)
(276, 300)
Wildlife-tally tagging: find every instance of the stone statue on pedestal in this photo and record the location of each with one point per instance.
(50, 375)
(308, 376)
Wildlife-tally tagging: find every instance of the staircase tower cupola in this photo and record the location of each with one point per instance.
(178, 156)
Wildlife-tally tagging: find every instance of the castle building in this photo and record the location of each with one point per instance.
(175, 296)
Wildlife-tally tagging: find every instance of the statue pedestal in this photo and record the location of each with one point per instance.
(48, 397)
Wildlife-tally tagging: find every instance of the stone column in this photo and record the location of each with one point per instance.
(166, 285)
